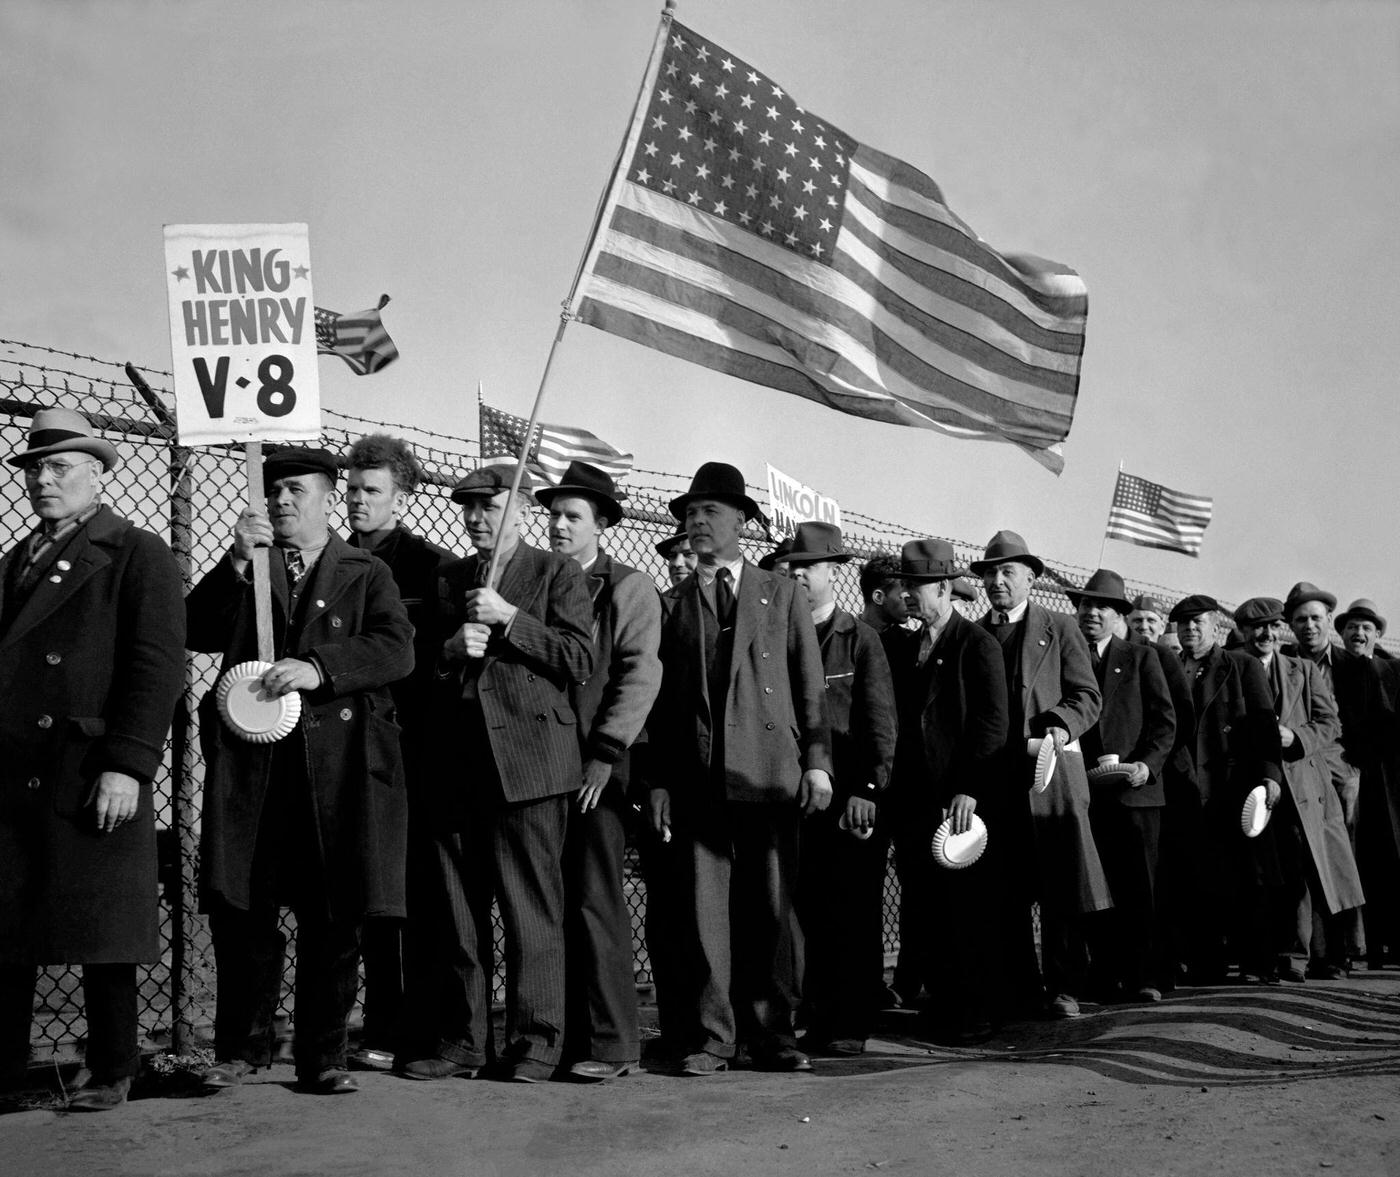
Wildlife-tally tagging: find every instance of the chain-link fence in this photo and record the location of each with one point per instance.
(191, 497)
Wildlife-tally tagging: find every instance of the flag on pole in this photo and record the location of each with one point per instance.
(359, 339)
(551, 449)
(1155, 516)
(742, 232)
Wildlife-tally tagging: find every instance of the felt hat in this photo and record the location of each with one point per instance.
(58, 431)
(720, 481)
(1361, 609)
(1003, 548)
(1104, 585)
(1258, 610)
(489, 481)
(816, 542)
(769, 560)
(587, 482)
(1305, 591)
(297, 459)
(1193, 606)
(664, 546)
(924, 561)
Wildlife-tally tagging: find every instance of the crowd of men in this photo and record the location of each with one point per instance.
(1223, 799)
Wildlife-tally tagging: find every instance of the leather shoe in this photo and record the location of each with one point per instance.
(435, 1068)
(101, 1097)
(785, 1058)
(702, 1062)
(596, 1070)
(226, 1074)
(1062, 1005)
(527, 1070)
(1288, 971)
(1147, 993)
(1322, 971)
(330, 1083)
(369, 1059)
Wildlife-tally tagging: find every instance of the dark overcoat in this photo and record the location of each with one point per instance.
(1058, 689)
(523, 683)
(775, 712)
(1137, 723)
(90, 670)
(357, 630)
(860, 707)
(1304, 705)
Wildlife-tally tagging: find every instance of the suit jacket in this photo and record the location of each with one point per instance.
(1304, 706)
(90, 669)
(524, 681)
(354, 626)
(1179, 771)
(1236, 734)
(1058, 689)
(775, 710)
(859, 706)
(613, 705)
(1137, 722)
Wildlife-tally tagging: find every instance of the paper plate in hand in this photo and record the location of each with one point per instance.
(956, 851)
(251, 712)
(844, 822)
(1111, 774)
(1255, 815)
(1045, 757)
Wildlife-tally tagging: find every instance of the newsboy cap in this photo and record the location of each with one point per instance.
(489, 481)
(1258, 610)
(297, 459)
(1149, 604)
(1193, 606)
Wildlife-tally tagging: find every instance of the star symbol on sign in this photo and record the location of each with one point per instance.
(650, 148)
(746, 102)
(657, 123)
(720, 208)
(816, 249)
(300, 271)
(721, 91)
(180, 273)
(783, 175)
(693, 198)
(644, 176)
(727, 65)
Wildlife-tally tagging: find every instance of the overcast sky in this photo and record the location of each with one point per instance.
(1223, 175)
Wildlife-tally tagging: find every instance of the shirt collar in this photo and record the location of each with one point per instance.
(706, 572)
(1103, 645)
(823, 613)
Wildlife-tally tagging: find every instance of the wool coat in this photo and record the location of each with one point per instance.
(860, 707)
(354, 627)
(1137, 722)
(90, 669)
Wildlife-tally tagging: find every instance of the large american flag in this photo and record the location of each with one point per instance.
(744, 233)
(359, 339)
(1154, 516)
(552, 448)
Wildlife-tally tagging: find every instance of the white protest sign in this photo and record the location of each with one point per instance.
(242, 333)
(791, 502)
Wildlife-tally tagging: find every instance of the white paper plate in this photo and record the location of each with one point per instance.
(956, 851)
(1110, 773)
(250, 712)
(1045, 758)
(1255, 815)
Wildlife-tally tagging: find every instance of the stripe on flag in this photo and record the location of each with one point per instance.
(360, 339)
(745, 234)
(1154, 516)
(552, 449)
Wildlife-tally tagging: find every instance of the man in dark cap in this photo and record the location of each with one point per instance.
(1362, 628)
(1052, 694)
(508, 762)
(1147, 618)
(1319, 869)
(1237, 750)
(843, 867)
(679, 556)
(1135, 728)
(603, 1039)
(316, 820)
(91, 664)
(950, 690)
(381, 475)
(742, 714)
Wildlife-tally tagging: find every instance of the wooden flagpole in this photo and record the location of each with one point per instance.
(1103, 547)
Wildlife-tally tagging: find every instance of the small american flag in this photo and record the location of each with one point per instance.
(744, 233)
(552, 448)
(359, 339)
(1154, 516)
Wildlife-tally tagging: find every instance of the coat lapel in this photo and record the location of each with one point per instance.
(1035, 644)
(754, 595)
(1114, 658)
(84, 559)
(1215, 680)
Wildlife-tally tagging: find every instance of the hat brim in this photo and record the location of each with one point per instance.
(608, 506)
(461, 495)
(1121, 604)
(743, 502)
(95, 447)
(978, 567)
(817, 557)
(1340, 623)
(1326, 598)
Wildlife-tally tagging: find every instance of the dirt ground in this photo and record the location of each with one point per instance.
(1283, 1080)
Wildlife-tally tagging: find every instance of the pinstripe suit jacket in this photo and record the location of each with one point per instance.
(523, 682)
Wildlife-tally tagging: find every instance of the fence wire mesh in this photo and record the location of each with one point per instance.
(191, 498)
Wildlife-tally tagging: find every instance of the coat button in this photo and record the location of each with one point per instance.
(767, 690)
(53, 659)
(346, 713)
(763, 600)
(45, 721)
(55, 579)
(540, 717)
(62, 565)
(320, 604)
(33, 782)
(764, 654)
(335, 622)
(531, 678)
(770, 726)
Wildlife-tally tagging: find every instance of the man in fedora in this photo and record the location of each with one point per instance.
(602, 1039)
(1052, 694)
(508, 763)
(742, 714)
(1362, 627)
(1236, 741)
(841, 885)
(91, 665)
(318, 820)
(950, 689)
(1320, 877)
(1135, 727)
(679, 556)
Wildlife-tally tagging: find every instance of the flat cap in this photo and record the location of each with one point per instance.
(1258, 610)
(294, 459)
(1149, 604)
(1193, 606)
(492, 480)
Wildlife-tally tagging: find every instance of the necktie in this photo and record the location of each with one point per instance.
(296, 565)
(1000, 618)
(724, 598)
